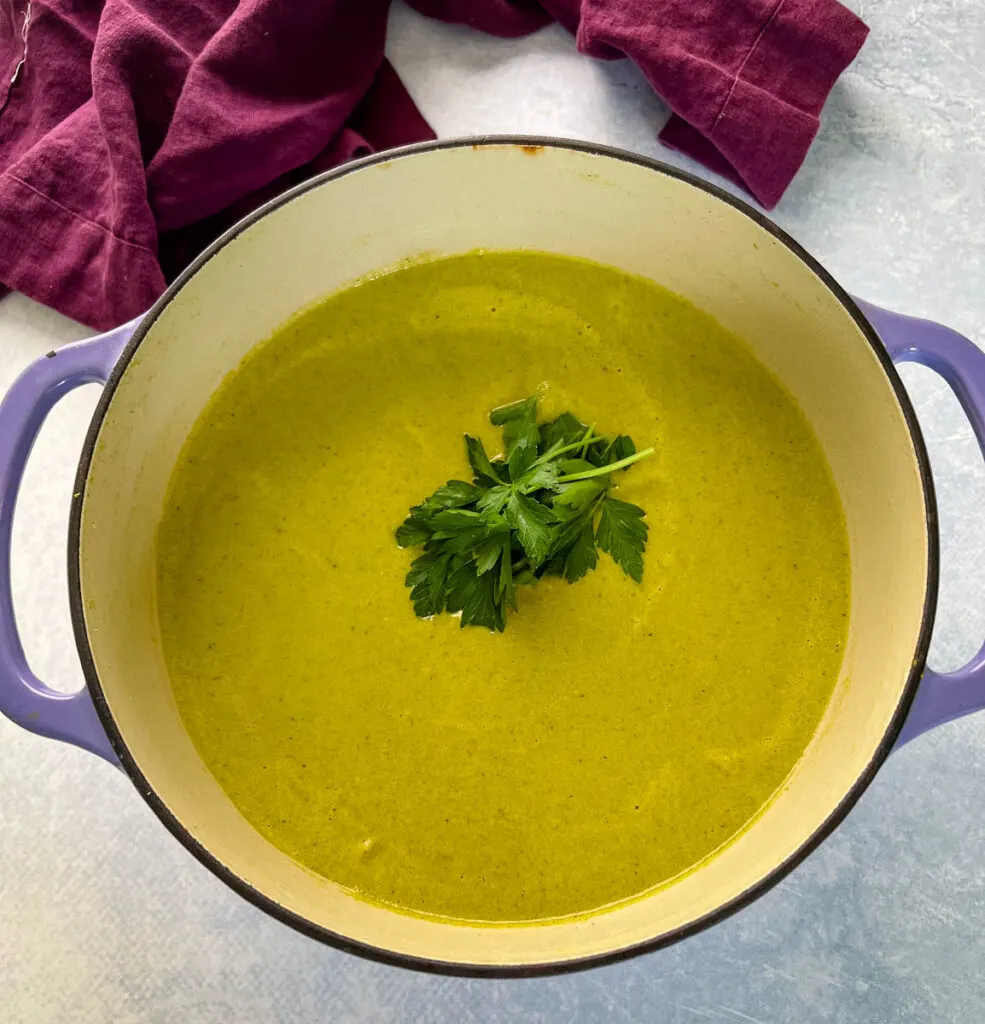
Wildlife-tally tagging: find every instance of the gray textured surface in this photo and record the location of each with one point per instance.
(103, 917)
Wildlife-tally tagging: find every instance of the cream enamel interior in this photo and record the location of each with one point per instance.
(454, 200)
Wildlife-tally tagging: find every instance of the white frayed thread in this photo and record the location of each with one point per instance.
(25, 26)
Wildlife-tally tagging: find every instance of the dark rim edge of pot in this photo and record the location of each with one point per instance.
(302, 924)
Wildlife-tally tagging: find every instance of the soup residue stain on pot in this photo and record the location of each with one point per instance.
(617, 733)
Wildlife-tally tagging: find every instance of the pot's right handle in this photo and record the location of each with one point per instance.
(23, 697)
(942, 696)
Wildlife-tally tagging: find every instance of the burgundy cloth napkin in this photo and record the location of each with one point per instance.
(132, 132)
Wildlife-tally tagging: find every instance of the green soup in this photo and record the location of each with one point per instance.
(616, 733)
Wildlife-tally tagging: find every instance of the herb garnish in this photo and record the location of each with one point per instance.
(542, 507)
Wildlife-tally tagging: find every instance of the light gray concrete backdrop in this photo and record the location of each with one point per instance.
(105, 918)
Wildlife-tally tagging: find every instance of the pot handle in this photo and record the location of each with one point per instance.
(941, 696)
(23, 697)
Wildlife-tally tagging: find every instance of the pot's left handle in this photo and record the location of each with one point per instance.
(942, 696)
(23, 697)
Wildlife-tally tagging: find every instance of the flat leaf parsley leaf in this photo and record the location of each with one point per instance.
(622, 534)
(542, 506)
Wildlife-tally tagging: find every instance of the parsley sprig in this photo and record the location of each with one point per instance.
(542, 507)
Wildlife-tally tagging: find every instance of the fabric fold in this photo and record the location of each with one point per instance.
(771, 115)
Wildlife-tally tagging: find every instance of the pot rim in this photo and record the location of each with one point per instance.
(431, 965)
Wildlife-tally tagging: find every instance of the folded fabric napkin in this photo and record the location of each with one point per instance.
(132, 132)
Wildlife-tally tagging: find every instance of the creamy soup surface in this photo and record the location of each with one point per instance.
(616, 733)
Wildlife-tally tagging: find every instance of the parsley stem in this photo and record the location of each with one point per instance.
(602, 470)
(586, 440)
(552, 453)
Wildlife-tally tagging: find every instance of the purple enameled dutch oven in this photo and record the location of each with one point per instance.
(834, 353)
